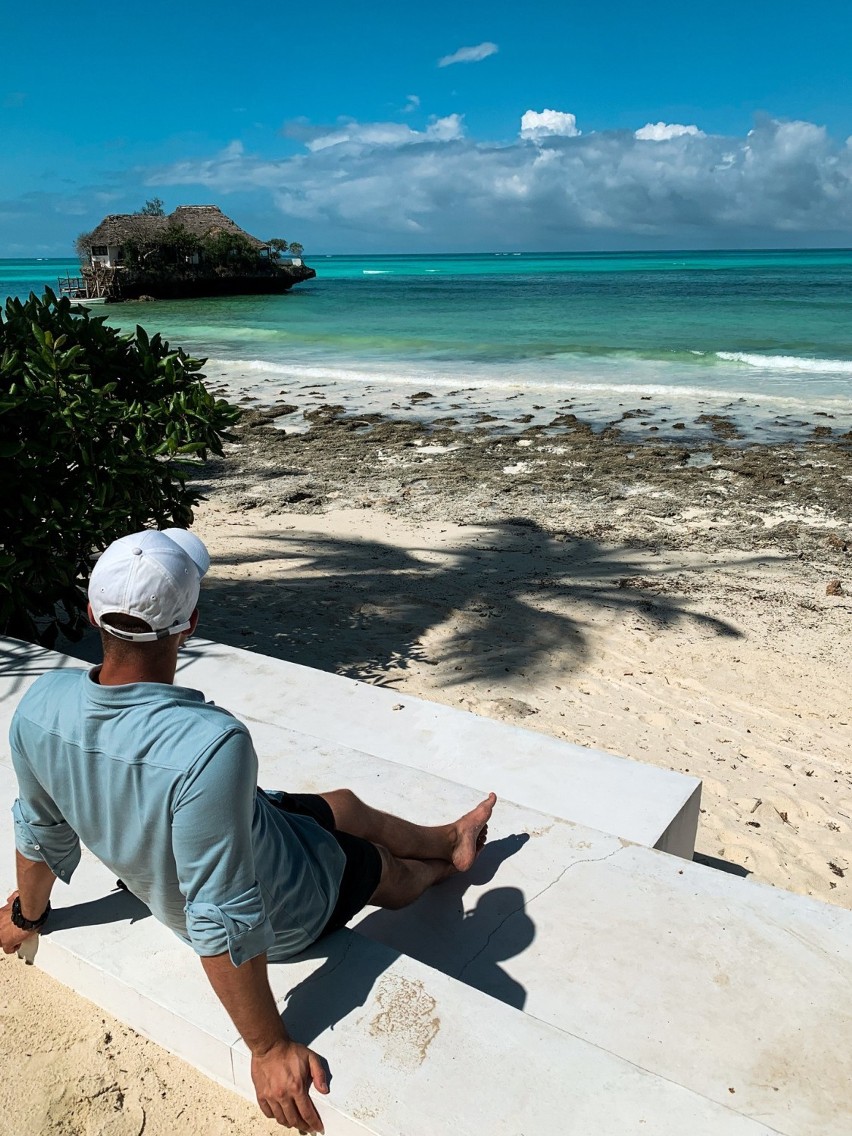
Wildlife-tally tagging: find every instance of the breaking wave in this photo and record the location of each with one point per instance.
(788, 362)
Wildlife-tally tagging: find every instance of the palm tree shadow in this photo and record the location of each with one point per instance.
(20, 662)
(364, 609)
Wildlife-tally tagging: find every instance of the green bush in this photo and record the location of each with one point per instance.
(99, 431)
(229, 252)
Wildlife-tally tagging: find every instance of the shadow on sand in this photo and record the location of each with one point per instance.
(363, 608)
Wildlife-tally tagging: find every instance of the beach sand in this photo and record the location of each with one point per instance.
(683, 603)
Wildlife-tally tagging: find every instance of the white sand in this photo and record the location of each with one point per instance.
(70, 1070)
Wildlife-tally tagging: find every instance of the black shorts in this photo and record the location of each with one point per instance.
(363, 868)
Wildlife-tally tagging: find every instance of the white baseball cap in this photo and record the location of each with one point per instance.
(154, 576)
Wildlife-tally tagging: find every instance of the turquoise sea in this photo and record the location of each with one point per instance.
(773, 328)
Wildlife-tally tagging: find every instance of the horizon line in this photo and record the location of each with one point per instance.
(539, 252)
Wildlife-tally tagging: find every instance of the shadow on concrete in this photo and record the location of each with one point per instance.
(117, 907)
(334, 991)
(727, 866)
(437, 931)
(465, 944)
(364, 609)
(20, 661)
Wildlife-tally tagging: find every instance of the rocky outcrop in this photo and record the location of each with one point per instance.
(174, 284)
(194, 251)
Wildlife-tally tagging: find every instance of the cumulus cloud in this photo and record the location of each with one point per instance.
(537, 124)
(469, 54)
(386, 185)
(412, 104)
(663, 131)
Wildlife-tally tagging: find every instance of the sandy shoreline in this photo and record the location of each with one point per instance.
(664, 599)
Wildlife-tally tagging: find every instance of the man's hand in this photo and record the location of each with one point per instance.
(282, 1076)
(11, 937)
(282, 1070)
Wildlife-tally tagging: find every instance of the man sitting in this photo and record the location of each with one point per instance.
(162, 787)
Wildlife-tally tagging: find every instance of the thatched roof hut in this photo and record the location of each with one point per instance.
(209, 221)
(194, 251)
(199, 220)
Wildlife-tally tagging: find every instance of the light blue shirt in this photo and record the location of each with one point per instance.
(162, 787)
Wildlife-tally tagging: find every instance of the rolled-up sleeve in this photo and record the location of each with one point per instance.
(53, 841)
(239, 927)
(41, 831)
(213, 850)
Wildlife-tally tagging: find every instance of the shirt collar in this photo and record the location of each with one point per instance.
(134, 693)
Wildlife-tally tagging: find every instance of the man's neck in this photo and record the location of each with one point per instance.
(120, 673)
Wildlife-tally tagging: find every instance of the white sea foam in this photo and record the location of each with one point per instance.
(490, 383)
(494, 379)
(516, 397)
(788, 363)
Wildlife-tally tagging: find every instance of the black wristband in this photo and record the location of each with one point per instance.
(28, 924)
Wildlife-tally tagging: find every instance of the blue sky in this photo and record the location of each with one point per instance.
(440, 126)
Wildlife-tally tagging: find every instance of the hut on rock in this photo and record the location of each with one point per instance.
(194, 251)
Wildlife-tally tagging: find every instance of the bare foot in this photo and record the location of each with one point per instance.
(470, 833)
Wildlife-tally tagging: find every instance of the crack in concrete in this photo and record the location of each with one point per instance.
(523, 906)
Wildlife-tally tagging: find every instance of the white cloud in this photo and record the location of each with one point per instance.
(447, 129)
(412, 104)
(663, 131)
(537, 124)
(469, 54)
(438, 188)
(367, 134)
(377, 134)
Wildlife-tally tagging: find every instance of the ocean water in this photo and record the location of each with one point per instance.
(763, 333)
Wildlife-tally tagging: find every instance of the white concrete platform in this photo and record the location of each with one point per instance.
(411, 1051)
(612, 794)
(654, 995)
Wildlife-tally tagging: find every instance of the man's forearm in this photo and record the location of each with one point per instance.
(245, 993)
(282, 1070)
(35, 883)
